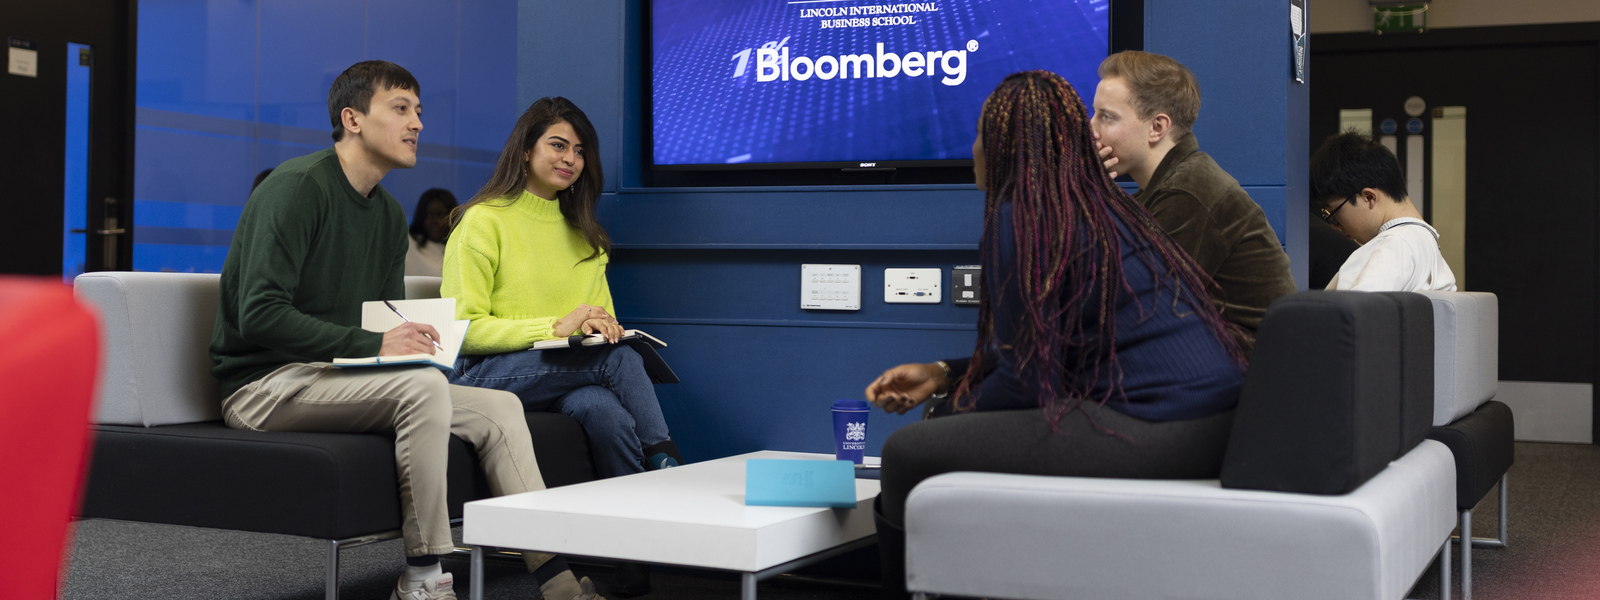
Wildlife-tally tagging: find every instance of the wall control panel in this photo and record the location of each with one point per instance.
(912, 286)
(966, 284)
(830, 287)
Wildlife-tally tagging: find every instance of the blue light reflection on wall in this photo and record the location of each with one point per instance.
(227, 88)
(75, 199)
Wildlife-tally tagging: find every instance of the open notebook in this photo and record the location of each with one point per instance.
(644, 343)
(438, 312)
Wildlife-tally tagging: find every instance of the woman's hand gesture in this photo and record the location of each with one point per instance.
(904, 387)
(578, 318)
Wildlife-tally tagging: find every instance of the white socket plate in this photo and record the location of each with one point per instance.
(911, 286)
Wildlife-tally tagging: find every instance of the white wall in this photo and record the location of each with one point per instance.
(1334, 16)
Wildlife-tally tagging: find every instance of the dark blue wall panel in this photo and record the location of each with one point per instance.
(302, 46)
(227, 88)
(1253, 116)
(715, 272)
(748, 388)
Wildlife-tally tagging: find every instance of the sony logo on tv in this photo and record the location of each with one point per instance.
(870, 164)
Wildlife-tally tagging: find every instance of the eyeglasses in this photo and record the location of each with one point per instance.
(1327, 215)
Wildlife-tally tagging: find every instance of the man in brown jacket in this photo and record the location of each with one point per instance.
(1144, 112)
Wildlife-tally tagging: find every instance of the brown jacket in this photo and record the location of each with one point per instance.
(1203, 208)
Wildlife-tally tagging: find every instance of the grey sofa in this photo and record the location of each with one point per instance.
(1328, 489)
(1479, 431)
(162, 454)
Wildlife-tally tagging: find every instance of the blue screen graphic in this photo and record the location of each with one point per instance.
(741, 82)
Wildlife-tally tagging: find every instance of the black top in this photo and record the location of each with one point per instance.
(1172, 365)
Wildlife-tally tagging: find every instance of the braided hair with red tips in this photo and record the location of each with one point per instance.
(1038, 155)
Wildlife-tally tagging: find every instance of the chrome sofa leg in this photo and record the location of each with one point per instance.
(1500, 542)
(1466, 555)
(332, 573)
(1444, 571)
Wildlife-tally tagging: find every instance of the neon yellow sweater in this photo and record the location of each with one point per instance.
(513, 268)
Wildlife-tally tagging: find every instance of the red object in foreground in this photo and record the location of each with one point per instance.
(49, 361)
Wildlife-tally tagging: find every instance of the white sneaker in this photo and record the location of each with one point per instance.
(438, 587)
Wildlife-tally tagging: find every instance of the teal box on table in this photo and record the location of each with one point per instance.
(812, 483)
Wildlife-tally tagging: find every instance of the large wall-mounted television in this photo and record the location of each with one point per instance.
(848, 84)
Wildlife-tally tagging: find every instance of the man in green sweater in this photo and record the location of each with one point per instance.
(316, 239)
(1144, 113)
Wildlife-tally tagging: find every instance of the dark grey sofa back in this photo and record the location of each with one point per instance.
(1416, 368)
(1340, 384)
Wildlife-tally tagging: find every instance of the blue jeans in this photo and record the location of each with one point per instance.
(604, 387)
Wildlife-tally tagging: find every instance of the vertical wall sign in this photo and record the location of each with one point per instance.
(1297, 35)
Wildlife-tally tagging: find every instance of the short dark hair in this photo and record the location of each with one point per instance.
(1349, 162)
(356, 85)
(419, 215)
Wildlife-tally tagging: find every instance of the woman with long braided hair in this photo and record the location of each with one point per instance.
(1100, 352)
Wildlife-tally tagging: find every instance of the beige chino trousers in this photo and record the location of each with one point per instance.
(422, 409)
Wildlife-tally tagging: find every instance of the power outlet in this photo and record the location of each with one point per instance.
(830, 287)
(911, 286)
(966, 284)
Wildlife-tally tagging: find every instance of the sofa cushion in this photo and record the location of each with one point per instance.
(322, 485)
(1466, 352)
(1320, 408)
(1026, 536)
(418, 286)
(1484, 447)
(155, 346)
(1416, 368)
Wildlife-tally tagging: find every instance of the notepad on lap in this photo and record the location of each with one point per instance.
(643, 343)
(438, 312)
(813, 483)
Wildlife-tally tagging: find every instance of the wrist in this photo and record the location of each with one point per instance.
(561, 329)
(942, 379)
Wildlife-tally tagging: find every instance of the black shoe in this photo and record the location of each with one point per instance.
(630, 579)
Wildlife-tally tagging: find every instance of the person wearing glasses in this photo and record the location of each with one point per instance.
(1357, 188)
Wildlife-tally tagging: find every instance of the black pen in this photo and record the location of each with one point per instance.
(403, 318)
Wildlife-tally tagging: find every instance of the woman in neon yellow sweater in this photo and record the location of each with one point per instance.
(527, 262)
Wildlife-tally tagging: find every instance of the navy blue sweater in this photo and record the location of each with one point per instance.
(1173, 367)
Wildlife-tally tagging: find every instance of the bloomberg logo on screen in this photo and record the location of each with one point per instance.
(774, 64)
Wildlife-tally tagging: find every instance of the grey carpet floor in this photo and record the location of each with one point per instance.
(119, 559)
(1554, 554)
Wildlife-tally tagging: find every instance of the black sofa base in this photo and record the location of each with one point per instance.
(331, 486)
(1483, 444)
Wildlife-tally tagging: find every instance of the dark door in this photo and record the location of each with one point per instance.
(67, 134)
(1532, 150)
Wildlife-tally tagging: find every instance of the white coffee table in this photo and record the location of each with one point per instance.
(691, 516)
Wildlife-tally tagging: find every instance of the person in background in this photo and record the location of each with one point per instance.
(1357, 187)
(260, 177)
(1145, 108)
(430, 229)
(527, 262)
(1099, 353)
(316, 240)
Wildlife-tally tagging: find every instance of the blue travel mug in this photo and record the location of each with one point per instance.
(850, 430)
